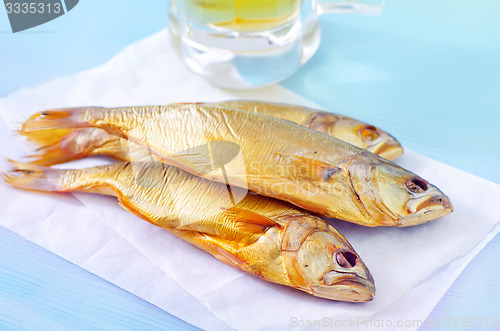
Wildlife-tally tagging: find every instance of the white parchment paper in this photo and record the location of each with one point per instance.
(413, 267)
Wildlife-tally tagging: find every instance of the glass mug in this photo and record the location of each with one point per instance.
(242, 44)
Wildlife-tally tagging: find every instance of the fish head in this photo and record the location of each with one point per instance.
(324, 264)
(379, 142)
(357, 133)
(368, 137)
(394, 196)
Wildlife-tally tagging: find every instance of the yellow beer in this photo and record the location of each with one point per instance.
(243, 15)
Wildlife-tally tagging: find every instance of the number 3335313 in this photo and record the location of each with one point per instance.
(32, 8)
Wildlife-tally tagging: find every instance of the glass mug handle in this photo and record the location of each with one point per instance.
(365, 7)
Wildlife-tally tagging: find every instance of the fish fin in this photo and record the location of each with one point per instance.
(237, 227)
(39, 178)
(226, 257)
(305, 167)
(62, 118)
(213, 246)
(64, 145)
(45, 137)
(55, 146)
(250, 221)
(32, 177)
(54, 154)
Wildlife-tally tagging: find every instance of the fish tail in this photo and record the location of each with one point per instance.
(39, 178)
(55, 154)
(62, 118)
(57, 146)
(33, 177)
(64, 145)
(45, 137)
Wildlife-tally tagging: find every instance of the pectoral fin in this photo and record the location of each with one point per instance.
(308, 168)
(219, 249)
(248, 221)
(228, 258)
(235, 226)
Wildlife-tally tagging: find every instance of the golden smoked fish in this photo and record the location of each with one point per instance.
(270, 156)
(266, 237)
(67, 145)
(345, 128)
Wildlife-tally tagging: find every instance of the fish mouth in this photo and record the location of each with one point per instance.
(388, 150)
(427, 209)
(349, 287)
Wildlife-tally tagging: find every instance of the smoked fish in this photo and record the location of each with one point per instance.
(342, 127)
(268, 238)
(277, 158)
(67, 145)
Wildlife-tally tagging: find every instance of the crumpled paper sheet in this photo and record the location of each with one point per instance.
(413, 267)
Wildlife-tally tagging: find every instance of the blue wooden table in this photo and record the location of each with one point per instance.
(426, 71)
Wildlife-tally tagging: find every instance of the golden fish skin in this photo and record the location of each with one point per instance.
(265, 237)
(79, 143)
(345, 128)
(278, 159)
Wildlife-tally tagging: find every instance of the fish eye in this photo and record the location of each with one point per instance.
(369, 132)
(346, 259)
(416, 185)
